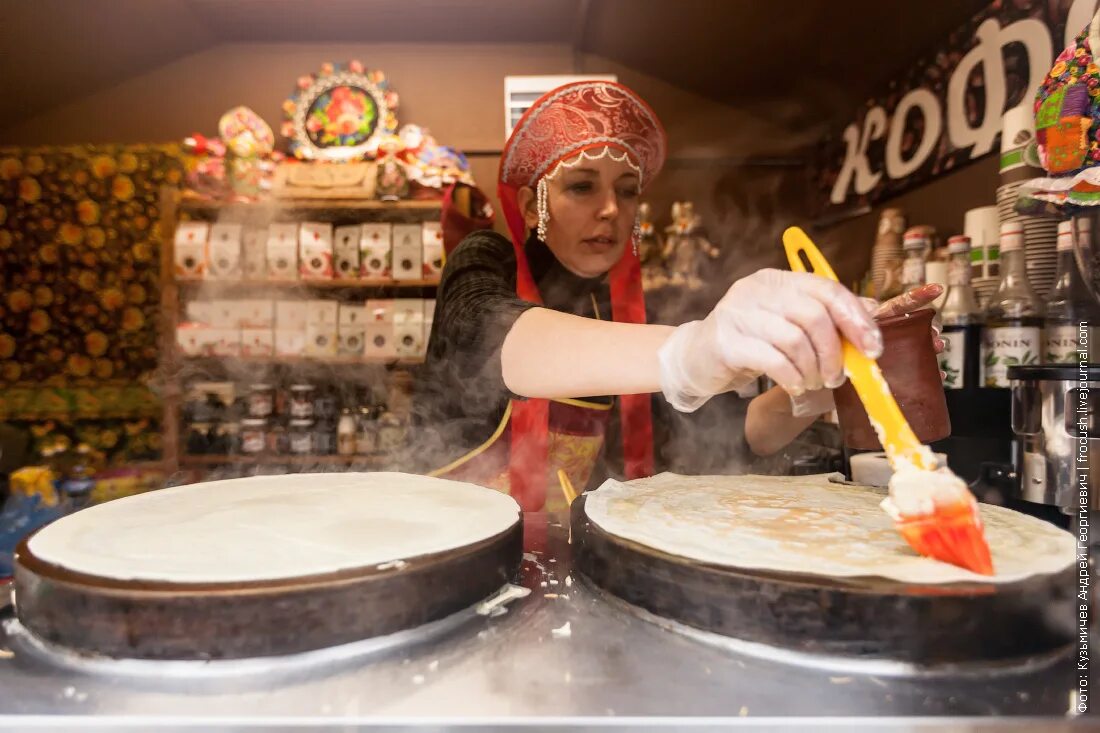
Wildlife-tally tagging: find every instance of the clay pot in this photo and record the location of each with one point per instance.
(912, 370)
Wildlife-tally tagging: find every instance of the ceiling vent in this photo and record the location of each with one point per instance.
(521, 91)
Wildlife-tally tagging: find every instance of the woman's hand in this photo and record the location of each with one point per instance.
(786, 325)
(813, 403)
(909, 301)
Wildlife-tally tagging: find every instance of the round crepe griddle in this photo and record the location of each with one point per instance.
(859, 617)
(161, 620)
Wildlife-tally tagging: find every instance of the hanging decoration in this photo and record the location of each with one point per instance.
(340, 113)
(1067, 125)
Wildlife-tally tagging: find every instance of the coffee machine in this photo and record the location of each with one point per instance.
(1056, 447)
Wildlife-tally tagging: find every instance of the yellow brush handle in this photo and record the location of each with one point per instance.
(897, 437)
(566, 486)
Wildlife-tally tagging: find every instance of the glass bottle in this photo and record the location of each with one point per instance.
(1014, 317)
(915, 245)
(346, 433)
(366, 442)
(300, 437)
(391, 432)
(962, 320)
(1070, 308)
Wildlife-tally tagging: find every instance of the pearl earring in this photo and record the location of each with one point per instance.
(543, 205)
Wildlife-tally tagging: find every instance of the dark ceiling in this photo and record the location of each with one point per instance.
(827, 54)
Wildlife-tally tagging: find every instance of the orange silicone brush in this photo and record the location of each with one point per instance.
(951, 531)
(932, 508)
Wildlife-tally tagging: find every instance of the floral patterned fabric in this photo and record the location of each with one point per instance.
(578, 116)
(118, 441)
(79, 279)
(1067, 110)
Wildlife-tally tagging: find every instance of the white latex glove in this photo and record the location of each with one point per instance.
(818, 402)
(814, 402)
(783, 324)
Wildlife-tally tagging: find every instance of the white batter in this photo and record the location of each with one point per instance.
(806, 524)
(274, 527)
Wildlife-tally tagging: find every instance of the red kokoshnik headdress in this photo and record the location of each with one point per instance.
(597, 118)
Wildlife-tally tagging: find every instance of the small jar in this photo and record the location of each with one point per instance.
(302, 397)
(324, 437)
(231, 437)
(261, 400)
(391, 432)
(325, 406)
(277, 440)
(301, 437)
(253, 436)
(201, 411)
(218, 439)
(197, 440)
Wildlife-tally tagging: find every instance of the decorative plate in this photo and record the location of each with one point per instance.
(340, 113)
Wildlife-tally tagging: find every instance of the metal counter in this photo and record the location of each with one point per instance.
(566, 650)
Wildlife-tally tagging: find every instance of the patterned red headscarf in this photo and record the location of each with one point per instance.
(584, 116)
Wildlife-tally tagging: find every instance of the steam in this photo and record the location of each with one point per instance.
(744, 212)
(347, 382)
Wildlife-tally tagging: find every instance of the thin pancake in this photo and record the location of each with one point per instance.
(809, 525)
(274, 527)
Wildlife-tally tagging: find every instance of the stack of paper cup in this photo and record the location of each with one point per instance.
(1041, 255)
(1017, 145)
(935, 271)
(887, 255)
(983, 226)
(1088, 253)
(1040, 239)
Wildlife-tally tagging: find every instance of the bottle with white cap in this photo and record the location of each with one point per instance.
(915, 245)
(1070, 308)
(962, 320)
(1014, 317)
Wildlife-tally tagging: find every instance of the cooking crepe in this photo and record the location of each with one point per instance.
(807, 525)
(273, 527)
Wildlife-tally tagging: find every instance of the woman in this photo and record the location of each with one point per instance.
(529, 333)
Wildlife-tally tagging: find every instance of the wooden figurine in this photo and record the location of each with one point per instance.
(687, 247)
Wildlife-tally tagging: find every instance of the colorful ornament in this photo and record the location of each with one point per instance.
(392, 182)
(430, 164)
(341, 113)
(245, 133)
(1067, 126)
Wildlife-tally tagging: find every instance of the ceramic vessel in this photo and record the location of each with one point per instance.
(909, 364)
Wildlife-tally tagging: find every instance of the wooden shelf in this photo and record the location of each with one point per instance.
(290, 460)
(311, 284)
(263, 213)
(313, 204)
(292, 360)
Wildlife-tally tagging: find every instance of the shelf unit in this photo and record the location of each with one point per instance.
(189, 203)
(303, 360)
(176, 205)
(335, 284)
(289, 460)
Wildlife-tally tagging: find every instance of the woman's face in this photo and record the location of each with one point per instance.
(592, 207)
